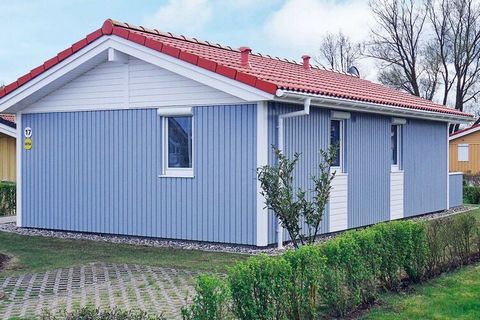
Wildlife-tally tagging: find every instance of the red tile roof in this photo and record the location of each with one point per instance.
(465, 130)
(8, 117)
(264, 72)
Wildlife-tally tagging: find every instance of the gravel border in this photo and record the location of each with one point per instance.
(192, 245)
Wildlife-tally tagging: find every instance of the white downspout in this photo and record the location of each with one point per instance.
(304, 112)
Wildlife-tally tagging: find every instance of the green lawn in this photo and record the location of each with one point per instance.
(452, 296)
(36, 254)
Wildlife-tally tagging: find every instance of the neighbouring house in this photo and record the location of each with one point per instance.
(138, 132)
(8, 134)
(465, 150)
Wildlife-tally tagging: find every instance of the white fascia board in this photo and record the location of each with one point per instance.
(209, 78)
(9, 131)
(191, 71)
(52, 74)
(462, 134)
(359, 106)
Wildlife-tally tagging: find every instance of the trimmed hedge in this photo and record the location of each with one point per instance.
(7, 198)
(334, 278)
(471, 194)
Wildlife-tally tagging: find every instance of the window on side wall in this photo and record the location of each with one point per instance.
(336, 138)
(178, 146)
(463, 152)
(395, 136)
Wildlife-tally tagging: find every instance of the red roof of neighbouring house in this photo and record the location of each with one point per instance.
(467, 130)
(265, 73)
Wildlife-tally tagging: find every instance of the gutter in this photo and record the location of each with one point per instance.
(359, 106)
(280, 139)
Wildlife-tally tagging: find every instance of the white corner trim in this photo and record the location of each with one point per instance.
(9, 131)
(18, 119)
(448, 166)
(262, 159)
(180, 111)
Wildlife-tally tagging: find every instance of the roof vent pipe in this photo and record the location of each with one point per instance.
(306, 62)
(245, 53)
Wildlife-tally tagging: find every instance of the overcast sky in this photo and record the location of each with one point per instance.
(34, 31)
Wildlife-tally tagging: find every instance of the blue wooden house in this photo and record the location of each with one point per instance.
(137, 132)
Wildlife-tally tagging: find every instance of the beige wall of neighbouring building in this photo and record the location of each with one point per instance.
(7, 158)
(471, 143)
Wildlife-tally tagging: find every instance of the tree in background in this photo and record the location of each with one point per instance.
(396, 42)
(338, 52)
(429, 48)
(457, 34)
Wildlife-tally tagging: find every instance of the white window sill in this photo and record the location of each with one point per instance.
(177, 173)
(171, 175)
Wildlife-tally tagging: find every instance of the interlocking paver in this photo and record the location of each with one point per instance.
(101, 285)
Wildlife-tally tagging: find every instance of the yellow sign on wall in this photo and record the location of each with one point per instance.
(28, 143)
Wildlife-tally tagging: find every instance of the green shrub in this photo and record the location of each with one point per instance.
(210, 301)
(308, 267)
(336, 277)
(451, 242)
(471, 194)
(260, 288)
(417, 252)
(7, 198)
(95, 314)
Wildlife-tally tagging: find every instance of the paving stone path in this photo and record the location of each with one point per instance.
(155, 290)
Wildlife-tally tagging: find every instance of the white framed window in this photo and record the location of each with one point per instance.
(178, 151)
(462, 152)
(337, 138)
(396, 146)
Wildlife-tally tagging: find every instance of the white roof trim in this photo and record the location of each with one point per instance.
(352, 105)
(9, 131)
(464, 133)
(104, 43)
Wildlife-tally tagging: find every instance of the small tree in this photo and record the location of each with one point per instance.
(292, 207)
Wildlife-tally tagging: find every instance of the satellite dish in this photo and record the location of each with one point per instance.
(354, 71)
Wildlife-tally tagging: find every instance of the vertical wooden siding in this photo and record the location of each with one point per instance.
(472, 166)
(368, 161)
(425, 166)
(368, 164)
(455, 189)
(306, 135)
(7, 158)
(98, 172)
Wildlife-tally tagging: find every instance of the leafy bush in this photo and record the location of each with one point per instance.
(308, 268)
(95, 314)
(210, 301)
(452, 241)
(471, 194)
(7, 198)
(260, 288)
(336, 277)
